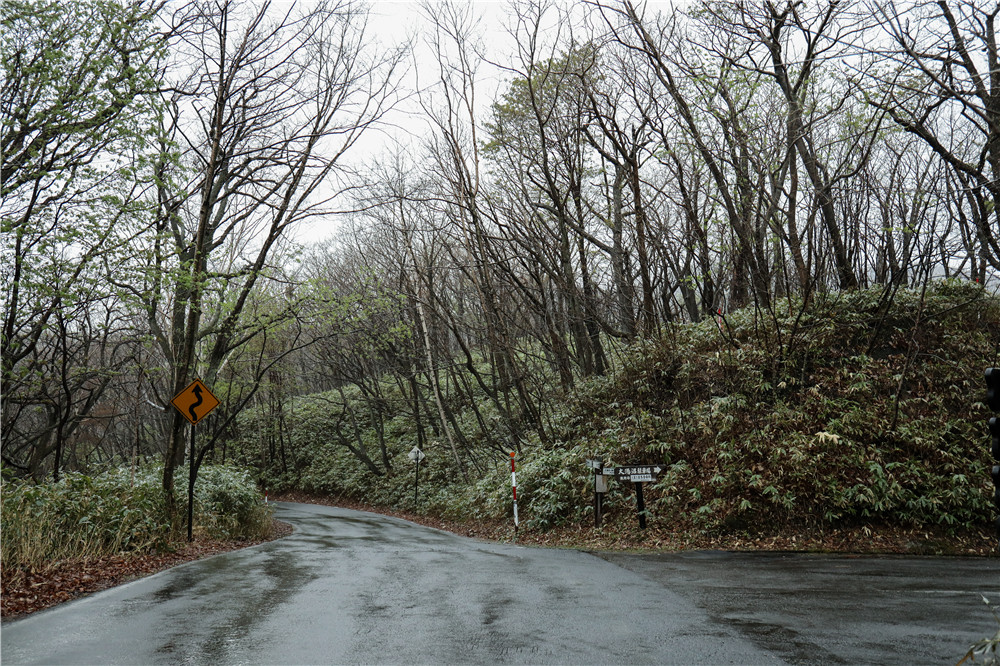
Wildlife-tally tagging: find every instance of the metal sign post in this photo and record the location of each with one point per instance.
(194, 403)
(191, 473)
(600, 487)
(513, 485)
(416, 455)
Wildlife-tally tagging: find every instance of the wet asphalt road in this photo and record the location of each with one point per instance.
(357, 588)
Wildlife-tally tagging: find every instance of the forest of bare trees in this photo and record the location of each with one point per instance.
(636, 167)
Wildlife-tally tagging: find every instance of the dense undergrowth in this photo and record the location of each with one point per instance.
(121, 511)
(861, 408)
(856, 410)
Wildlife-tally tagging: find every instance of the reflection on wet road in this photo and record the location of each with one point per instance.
(356, 588)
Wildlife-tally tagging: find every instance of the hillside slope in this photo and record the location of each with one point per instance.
(861, 411)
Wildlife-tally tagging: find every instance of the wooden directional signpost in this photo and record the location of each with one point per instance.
(194, 403)
(637, 474)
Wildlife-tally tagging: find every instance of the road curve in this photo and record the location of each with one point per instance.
(357, 588)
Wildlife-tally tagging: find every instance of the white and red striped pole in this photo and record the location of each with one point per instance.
(513, 485)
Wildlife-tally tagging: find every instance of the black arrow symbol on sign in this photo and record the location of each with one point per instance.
(197, 393)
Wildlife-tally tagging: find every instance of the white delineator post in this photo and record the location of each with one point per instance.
(513, 485)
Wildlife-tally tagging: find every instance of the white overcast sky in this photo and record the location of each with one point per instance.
(395, 21)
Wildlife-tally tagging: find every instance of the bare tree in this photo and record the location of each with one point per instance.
(275, 98)
(941, 83)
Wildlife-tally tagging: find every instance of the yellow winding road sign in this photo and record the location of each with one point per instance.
(195, 402)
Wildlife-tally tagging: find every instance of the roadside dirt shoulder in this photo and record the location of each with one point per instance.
(26, 591)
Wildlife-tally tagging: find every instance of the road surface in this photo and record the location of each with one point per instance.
(357, 588)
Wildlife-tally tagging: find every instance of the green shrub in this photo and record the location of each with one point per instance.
(80, 517)
(228, 504)
(87, 517)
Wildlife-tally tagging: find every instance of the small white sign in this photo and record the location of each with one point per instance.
(416, 455)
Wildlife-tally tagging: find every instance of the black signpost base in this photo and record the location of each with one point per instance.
(416, 482)
(640, 505)
(191, 488)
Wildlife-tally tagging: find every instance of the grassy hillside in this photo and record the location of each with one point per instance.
(857, 410)
(861, 409)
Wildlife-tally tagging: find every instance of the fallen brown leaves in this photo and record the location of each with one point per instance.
(26, 590)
